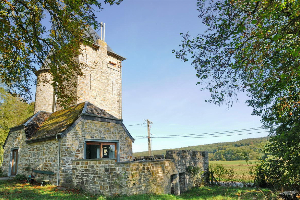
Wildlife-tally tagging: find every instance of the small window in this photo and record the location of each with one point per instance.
(112, 63)
(96, 150)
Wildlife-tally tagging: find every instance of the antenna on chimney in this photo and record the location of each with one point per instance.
(102, 30)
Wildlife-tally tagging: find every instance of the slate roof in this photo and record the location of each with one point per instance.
(58, 122)
(44, 126)
(34, 123)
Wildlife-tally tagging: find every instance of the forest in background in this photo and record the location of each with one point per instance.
(13, 111)
(246, 149)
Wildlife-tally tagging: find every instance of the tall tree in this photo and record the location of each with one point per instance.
(30, 29)
(13, 111)
(251, 46)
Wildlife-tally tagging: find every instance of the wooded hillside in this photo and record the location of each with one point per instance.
(240, 150)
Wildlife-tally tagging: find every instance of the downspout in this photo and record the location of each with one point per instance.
(58, 158)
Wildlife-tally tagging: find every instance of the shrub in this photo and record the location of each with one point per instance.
(218, 170)
(20, 177)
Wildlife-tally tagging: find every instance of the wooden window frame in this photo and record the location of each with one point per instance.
(101, 143)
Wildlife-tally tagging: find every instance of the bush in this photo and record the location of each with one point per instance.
(20, 177)
(1, 173)
(218, 170)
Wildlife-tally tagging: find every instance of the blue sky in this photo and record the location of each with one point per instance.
(161, 88)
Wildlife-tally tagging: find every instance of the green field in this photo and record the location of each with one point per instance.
(240, 168)
(14, 190)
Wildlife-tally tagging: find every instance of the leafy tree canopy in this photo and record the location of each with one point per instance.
(252, 46)
(281, 162)
(13, 111)
(26, 40)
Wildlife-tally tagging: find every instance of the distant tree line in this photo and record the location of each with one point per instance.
(247, 149)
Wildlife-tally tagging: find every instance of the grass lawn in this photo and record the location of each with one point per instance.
(14, 190)
(240, 167)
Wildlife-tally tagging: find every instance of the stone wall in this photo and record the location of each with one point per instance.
(72, 145)
(110, 178)
(105, 176)
(44, 92)
(185, 158)
(39, 156)
(101, 82)
(44, 155)
(169, 176)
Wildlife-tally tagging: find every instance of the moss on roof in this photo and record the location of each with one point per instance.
(59, 121)
(35, 122)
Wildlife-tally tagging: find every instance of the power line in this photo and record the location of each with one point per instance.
(248, 131)
(141, 124)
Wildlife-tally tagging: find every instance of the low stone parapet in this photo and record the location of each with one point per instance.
(161, 176)
(108, 177)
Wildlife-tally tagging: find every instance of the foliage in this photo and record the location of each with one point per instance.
(16, 190)
(199, 176)
(218, 170)
(238, 171)
(259, 176)
(13, 111)
(253, 46)
(243, 50)
(12, 190)
(193, 170)
(1, 173)
(279, 166)
(46, 33)
(20, 177)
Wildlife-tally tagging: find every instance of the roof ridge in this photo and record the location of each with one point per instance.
(84, 108)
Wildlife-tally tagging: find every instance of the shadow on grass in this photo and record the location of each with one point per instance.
(14, 190)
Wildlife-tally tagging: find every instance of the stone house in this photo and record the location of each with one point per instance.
(87, 145)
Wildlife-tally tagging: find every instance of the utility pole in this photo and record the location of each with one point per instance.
(149, 140)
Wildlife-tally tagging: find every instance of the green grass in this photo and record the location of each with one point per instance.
(14, 190)
(241, 169)
(208, 193)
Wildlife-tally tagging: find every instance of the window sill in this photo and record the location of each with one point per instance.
(96, 159)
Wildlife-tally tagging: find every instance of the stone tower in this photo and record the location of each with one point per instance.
(100, 84)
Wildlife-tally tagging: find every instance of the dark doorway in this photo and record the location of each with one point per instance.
(182, 182)
(14, 162)
(173, 183)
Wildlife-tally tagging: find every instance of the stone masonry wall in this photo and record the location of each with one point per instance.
(72, 145)
(39, 156)
(44, 155)
(44, 92)
(101, 82)
(184, 159)
(110, 178)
